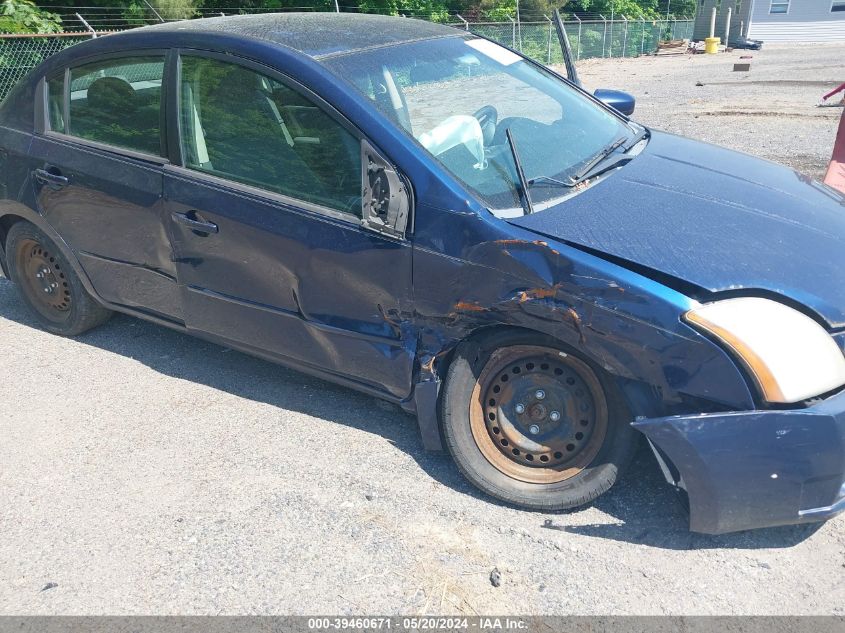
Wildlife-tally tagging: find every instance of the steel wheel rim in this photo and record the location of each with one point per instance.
(531, 445)
(43, 280)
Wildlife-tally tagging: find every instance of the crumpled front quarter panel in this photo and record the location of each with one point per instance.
(473, 271)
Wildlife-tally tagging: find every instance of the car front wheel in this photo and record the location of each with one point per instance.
(48, 285)
(532, 424)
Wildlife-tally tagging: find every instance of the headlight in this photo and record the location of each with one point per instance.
(790, 356)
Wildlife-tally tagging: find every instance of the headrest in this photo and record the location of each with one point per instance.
(111, 94)
(234, 86)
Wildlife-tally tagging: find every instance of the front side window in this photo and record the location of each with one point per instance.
(779, 6)
(242, 125)
(118, 102)
(837, 5)
(459, 96)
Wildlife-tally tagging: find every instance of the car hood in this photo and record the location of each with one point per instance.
(717, 219)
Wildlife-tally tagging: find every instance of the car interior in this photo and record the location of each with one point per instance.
(114, 111)
(241, 125)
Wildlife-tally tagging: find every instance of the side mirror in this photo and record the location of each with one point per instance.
(386, 199)
(621, 101)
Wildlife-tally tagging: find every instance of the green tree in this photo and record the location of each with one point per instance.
(176, 9)
(631, 8)
(684, 8)
(22, 16)
(167, 9)
(316, 5)
(498, 10)
(532, 10)
(436, 10)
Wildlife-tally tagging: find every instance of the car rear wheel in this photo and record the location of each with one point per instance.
(532, 424)
(48, 285)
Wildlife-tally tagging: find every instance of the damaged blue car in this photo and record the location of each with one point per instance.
(429, 217)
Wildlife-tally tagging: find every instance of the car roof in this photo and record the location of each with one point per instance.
(314, 34)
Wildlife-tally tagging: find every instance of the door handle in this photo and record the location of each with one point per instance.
(51, 178)
(193, 222)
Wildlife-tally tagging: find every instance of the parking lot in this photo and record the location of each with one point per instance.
(144, 471)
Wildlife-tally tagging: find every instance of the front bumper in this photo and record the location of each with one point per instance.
(755, 469)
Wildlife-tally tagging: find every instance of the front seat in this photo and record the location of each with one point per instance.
(245, 137)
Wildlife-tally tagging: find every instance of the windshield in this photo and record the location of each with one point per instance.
(458, 97)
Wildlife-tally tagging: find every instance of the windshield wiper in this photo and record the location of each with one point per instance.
(579, 175)
(643, 133)
(551, 181)
(596, 165)
(524, 196)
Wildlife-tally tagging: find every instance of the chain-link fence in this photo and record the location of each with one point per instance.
(538, 40)
(21, 53)
(588, 38)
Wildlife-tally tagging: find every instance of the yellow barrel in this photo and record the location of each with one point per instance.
(711, 45)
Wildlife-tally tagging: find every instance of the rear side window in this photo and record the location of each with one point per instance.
(242, 125)
(118, 102)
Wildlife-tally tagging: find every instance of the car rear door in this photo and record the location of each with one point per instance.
(97, 170)
(271, 250)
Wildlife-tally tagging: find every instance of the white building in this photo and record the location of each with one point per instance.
(775, 20)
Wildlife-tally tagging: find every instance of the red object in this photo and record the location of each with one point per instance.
(833, 92)
(835, 176)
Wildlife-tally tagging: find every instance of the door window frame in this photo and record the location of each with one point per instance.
(173, 72)
(42, 114)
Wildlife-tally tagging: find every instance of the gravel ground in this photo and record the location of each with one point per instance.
(770, 111)
(143, 471)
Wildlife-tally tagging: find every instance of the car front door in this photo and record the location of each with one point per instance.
(97, 170)
(270, 245)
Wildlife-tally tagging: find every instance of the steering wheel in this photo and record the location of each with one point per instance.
(488, 118)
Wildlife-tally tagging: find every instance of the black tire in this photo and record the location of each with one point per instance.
(37, 267)
(556, 483)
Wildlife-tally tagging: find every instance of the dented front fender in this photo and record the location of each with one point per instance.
(473, 272)
(481, 274)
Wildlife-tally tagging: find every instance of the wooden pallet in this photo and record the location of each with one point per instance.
(672, 47)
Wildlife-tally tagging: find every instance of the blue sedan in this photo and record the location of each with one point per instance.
(429, 217)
